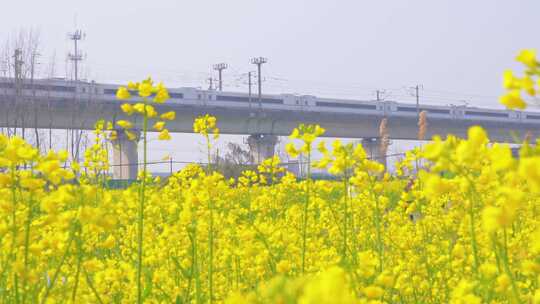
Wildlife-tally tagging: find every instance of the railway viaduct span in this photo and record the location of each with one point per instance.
(59, 104)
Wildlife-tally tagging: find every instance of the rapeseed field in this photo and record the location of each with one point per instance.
(458, 222)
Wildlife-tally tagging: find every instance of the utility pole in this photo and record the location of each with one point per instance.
(211, 84)
(259, 61)
(4, 69)
(249, 90)
(220, 67)
(76, 55)
(33, 64)
(18, 70)
(417, 103)
(18, 62)
(417, 95)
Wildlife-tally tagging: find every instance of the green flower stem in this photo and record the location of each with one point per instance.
(57, 270)
(473, 237)
(79, 262)
(509, 273)
(91, 285)
(141, 207)
(27, 245)
(378, 226)
(345, 216)
(14, 230)
(306, 205)
(210, 228)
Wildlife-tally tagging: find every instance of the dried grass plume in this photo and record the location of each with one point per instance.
(384, 136)
(422, 125)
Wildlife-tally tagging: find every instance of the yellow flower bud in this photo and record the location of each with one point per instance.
(158, 126)
(161, 96)
(171, 115)
(124, 124)
(127, 108)
(164, 135)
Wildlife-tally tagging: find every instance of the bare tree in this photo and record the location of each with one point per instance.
(235, 160)
(35, 103)
(18, 55)
(7, 60)
(19, 63)
(51, 70)
(4, 91)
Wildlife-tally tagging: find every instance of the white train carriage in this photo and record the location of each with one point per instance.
(347, 106)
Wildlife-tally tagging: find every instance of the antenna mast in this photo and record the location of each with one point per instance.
(259, 61)
(220, 67)
(76, 56)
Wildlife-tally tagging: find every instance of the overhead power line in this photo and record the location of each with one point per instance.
(259, 61)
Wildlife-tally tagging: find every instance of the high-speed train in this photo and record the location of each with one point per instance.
(65, 89)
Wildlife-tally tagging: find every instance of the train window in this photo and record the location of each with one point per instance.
(176, 95)
(431, 111)
(487, 114)
(248, 99)
(345, 105)
(64, 89)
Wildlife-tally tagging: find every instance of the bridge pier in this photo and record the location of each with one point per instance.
(125, 156)
(261, 146)
(372, 146)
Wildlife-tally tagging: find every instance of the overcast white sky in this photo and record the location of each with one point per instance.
(457, 49)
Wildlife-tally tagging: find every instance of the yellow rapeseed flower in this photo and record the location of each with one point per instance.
(528, 58)
(133, 85)
(477, 136)
(529, 169)
(162, 95)
(510, 82)
(122, 93)
(130, 135)
(145, 89)
(139, 107)
(373, 292)
(513, 100)
(171, 115)
(151, 111)
(291, 150)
